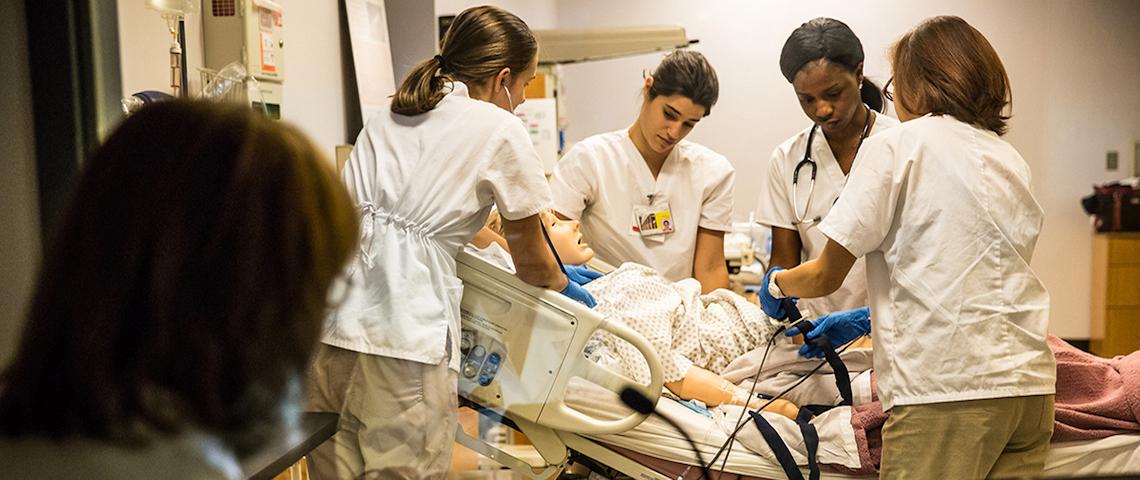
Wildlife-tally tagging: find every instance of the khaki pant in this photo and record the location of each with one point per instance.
(397, 417)
(995, 438)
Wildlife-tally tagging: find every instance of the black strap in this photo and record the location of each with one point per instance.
(811, 436)
(542, 223)
(842, 376)
(783, 455)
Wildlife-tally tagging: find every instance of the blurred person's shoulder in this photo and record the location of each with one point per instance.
(184, 456)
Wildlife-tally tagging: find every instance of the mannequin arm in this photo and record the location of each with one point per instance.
(712, 390)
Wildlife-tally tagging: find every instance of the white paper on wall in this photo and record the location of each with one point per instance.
(540, 116)
(371, 54)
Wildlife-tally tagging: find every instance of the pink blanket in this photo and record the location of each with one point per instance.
(1096, 398)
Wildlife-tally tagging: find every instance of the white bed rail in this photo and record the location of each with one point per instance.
(521, 345)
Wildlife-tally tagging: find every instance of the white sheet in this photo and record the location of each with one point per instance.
(1115, 455)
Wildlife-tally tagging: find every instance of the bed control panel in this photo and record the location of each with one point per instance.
(481, 361)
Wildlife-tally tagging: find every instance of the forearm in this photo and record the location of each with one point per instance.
(819, 277)
(709, 267)
(809, 280)
(713, 390)
(711, 277)
(485, 237)
(703, 385)
(534, 262)
(787, 248)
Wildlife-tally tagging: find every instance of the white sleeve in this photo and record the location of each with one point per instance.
(360, 168)
(573, 183)
(864, 214)
(514, 174)
(774, 208)
(716, 209)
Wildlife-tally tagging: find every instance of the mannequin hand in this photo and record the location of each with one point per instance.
(581, 274)
(840, 328)
(770, 304)
(576, 292)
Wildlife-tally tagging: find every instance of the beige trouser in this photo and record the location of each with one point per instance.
(995, 438)
(397, 417)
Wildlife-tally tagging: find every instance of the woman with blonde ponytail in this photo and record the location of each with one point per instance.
(424, 176)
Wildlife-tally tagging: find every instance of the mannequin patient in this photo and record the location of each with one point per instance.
(695, 335)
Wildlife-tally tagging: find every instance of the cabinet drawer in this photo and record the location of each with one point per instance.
(1123, 289)
(1122, 332)
(1124, 249)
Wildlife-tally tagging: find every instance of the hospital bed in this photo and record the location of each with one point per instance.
(524, 364)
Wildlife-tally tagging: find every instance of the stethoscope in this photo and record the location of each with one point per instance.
(808, 162)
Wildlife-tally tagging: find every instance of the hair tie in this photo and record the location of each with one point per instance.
(441, 62)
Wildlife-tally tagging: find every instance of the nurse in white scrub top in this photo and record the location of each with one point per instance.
(823, 61)
(941, 207)
(425, 174)
(646, 195)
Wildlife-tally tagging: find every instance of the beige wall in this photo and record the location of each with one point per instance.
(314, 81)
(1074, 65)
(19, 205)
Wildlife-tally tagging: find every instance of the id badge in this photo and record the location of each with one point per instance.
(652, 221)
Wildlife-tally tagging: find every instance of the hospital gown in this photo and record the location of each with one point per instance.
(683, 326)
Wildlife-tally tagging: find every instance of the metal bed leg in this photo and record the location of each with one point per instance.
(523, 468)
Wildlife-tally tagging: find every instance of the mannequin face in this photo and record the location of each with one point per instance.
(829, 96)
(666, 120)
(567, 240)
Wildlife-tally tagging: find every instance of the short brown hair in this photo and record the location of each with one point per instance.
(480, 42)
(947, 67)
(187, 284)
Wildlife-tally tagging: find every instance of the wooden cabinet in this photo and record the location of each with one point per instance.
(1115, 328)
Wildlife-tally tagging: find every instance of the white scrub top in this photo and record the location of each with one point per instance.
(424, 185)
(602, 178)
(944, 214)
(776, 208)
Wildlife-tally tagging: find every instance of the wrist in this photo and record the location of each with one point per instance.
(773, 288)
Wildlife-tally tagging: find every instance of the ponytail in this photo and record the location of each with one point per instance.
(422, 89)
(871, 95)
(480, 42)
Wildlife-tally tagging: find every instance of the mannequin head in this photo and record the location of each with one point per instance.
(564, 234)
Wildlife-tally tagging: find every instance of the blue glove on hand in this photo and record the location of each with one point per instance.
(772, 306)
(840, 328)
(576, 292)
(581, 274)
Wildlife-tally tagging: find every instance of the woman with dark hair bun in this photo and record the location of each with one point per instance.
(644, 194)
(941, 206)
(823, 60)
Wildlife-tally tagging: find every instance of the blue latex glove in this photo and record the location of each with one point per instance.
(839, 328)
(576, 292)
(581, 274)
(772, 305)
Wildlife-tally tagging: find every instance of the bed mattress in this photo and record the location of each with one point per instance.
(660, 447)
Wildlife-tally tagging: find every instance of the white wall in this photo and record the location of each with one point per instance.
(1075, 68)
(20, 237)
(536, 13)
